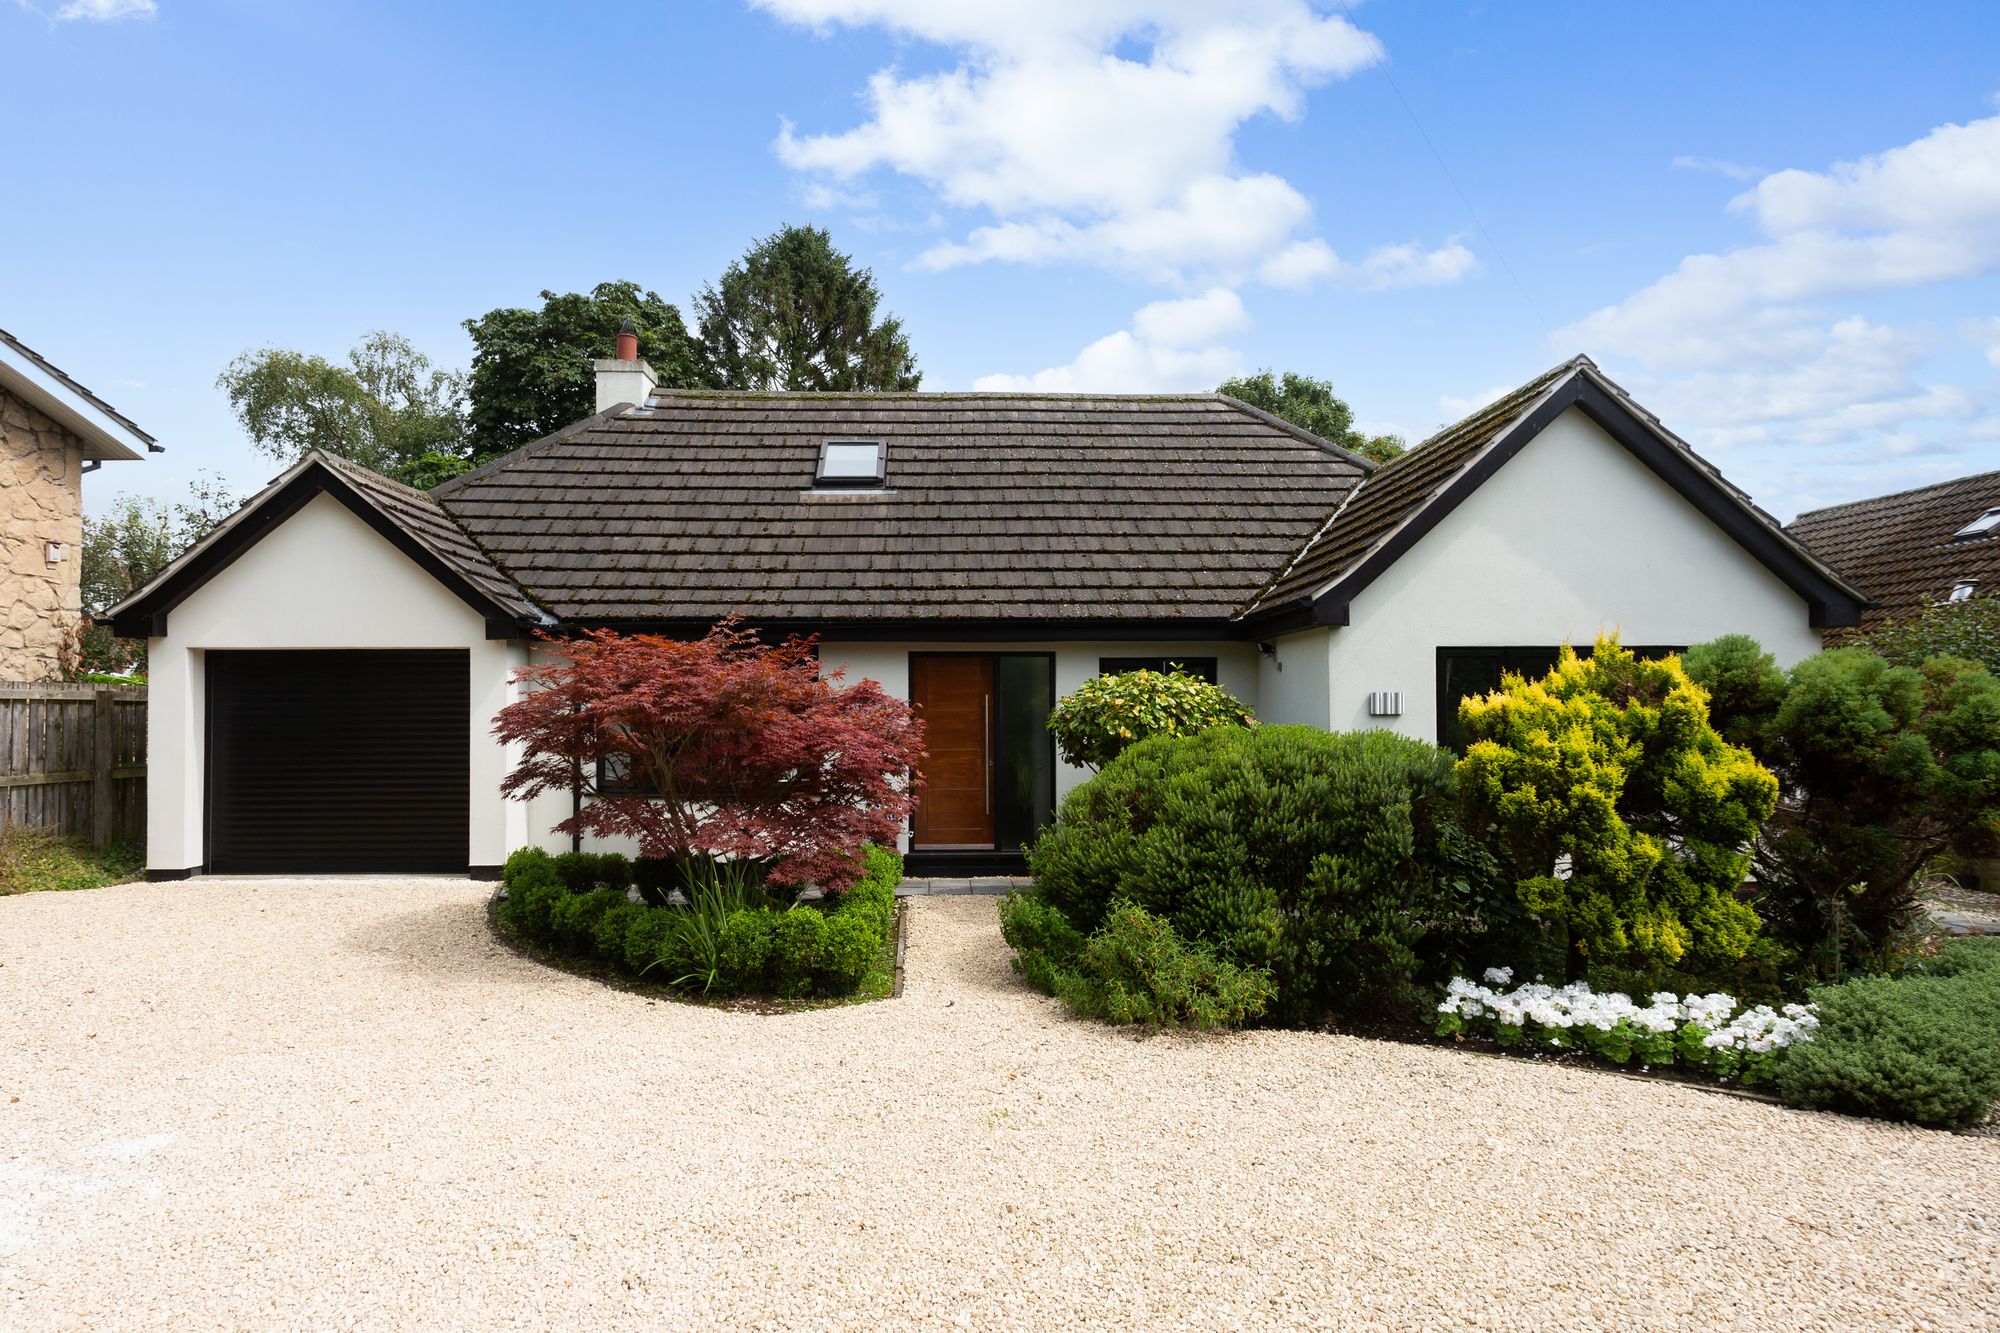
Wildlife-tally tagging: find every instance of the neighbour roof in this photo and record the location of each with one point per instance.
(106, 433)
(408, 518)
(993, 507)
(1903, 549)
(1410, 494)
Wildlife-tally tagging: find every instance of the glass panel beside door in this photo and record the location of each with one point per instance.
(990, 778)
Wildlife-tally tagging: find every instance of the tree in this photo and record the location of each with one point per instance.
(728, 747)
(795, 314)
(126, 549)
(1310, 404)
(1099, 719)
(1969, 629)
(1609, 766)
(531, 369)
(1883, 768)
(388, 408)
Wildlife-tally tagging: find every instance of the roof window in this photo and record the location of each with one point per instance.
(1982, 525)
(851, 463)
(1962, 591)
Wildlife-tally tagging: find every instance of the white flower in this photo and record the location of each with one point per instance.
(1499, 976)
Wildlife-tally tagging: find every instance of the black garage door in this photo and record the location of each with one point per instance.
(327, 762)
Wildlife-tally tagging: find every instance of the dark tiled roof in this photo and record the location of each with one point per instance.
(1030, 507)
(1900, 549)
(1397, 490)
(424, 519)
(78, 389)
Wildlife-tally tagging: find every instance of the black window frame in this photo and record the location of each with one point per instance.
(880, 475)
(1514, 657)
(1206, 668)
(607, 786)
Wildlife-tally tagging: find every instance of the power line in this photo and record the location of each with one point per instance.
(1463, 198)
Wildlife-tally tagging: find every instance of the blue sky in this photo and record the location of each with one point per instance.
(1779, 225)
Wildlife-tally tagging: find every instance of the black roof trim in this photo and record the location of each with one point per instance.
(1830, 601)
(144, 615)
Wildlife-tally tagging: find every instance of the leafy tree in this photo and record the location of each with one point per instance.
(1969, 629)
(388, 408)
(795, 314)
(1609, 766)
(531, 371)
(730, 748)
(1311, 404)
(1094, 723)
(126, 549)
(1883, 767)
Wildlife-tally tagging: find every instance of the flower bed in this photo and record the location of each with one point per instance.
(727, 941)
(1713, 1033)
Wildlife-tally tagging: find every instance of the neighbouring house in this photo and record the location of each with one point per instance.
(52, 431)
(325, 666)
(1912, 549)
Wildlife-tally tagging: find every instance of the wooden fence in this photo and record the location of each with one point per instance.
(73, 760)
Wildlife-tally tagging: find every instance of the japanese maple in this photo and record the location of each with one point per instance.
(739, 748)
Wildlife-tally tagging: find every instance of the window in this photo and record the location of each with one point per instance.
(1463, 672)
(1962, 591)
(1982, 525)
(1204, 667)
(851, 463)
(616, 778)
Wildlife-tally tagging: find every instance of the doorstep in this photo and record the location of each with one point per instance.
(924, 887)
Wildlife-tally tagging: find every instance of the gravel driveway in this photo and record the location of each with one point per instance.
(264, 1104)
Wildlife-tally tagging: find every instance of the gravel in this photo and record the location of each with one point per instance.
(269, 1104)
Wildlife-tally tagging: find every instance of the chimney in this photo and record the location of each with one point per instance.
(624, 378)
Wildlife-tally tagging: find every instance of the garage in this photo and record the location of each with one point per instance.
(331, 762)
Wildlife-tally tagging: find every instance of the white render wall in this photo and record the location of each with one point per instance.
(321, 579)
(1570, 536)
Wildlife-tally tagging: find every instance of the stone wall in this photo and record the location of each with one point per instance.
(41, 501)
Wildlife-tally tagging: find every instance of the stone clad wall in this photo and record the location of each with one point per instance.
(41, 501)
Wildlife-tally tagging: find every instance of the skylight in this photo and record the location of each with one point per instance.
(851, 463)
(1962, 591)
(1985, 523)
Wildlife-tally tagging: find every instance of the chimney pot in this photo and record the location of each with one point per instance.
(628, 341)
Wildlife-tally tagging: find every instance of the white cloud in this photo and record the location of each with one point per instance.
(1720, 166)
(1172, 347)
(1099, 131)
(106, 11)
(1767, 348)
(1455, 407)
(1987, 331)
(1216, 314)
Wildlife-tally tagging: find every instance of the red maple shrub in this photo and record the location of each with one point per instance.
(744, 749)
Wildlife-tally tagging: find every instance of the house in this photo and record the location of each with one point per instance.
(52, 431)
(1912, 549)
(326, 665)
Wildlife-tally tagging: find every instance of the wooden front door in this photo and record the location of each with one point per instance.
(954, 695)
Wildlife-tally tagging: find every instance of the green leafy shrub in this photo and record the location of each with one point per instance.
(1105, 715)
(729, 938)
(1885, 767)
(1921, 1048)
(1135, 969)
(1622, 816)
(586, 872)
(1045, 944)
(1324, 858)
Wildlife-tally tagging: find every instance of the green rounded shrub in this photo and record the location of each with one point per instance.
(744, 956)
(798, 948)
(1045, 944)
(1135, 969)
(608, 936)
(1323, 857)
(1921, 1048)
(1105, 715)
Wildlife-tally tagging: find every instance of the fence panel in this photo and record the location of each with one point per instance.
(73, 760)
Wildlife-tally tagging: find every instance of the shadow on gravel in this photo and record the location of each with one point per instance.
(449, 941)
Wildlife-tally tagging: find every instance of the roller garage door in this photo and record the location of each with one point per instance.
(330, 762)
